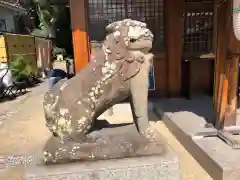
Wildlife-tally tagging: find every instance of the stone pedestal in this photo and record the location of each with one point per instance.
(137, 160)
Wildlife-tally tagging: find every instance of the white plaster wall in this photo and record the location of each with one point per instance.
(8, 16)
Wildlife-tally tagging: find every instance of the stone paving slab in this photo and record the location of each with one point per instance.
(9, 108)
(219, 160)
(8, 161)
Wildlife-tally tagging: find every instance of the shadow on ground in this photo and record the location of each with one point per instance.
(201, 106)
(102, 123)
(12, 98)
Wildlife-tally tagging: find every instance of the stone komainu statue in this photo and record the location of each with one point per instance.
(120, 70)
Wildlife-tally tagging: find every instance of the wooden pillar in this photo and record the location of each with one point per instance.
(221, 49)
(174, 33)
(226, 69)
(79, 18)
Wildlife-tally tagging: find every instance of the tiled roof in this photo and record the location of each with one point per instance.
(12, 4)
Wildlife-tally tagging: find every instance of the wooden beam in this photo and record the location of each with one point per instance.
(79, 18)
(174, 32)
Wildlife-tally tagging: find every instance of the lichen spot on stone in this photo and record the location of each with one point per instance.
(63, 111)
(113, 66)
(61, 121)
(107, 64)
(104, 70)
(91, 94)
(108, 50)
(82, 120)
(93, 98)
(76, 147)
(45, 160)
(69, 130)
(92, 156)
(47, 107)
(117, 33)
(54, 127)
(63, 86)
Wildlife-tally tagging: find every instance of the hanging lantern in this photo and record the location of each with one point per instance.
(236, 18)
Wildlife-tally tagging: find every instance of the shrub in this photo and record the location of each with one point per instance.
(56, 51)
(19, 68)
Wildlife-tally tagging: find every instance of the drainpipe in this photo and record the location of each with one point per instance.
(236, 18)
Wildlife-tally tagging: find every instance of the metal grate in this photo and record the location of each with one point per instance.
(110, 10)
(102, 12)
(150, 12)
(198, 30)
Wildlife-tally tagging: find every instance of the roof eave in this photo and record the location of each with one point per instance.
(13, 8)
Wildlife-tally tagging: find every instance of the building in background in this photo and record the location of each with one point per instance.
(10, 11)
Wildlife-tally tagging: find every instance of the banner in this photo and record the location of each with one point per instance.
(151, 85)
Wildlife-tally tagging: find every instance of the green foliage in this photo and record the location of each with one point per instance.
(56, 51)
(19, 68)
(47, 15)
(40, 33)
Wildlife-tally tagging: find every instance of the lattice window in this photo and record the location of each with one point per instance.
(150, 12)
(102, 12)
(110, 10)
(198, 30)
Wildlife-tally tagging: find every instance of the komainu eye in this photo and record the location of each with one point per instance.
(132, 40)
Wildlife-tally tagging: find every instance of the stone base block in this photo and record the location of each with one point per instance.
(123, 156)
(141, 168)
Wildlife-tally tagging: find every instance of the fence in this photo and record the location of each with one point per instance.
(36, 51)
(44, 54)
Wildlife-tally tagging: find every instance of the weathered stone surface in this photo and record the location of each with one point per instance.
(142, 168)
(128, 157)
(119, 71)
(108, 143)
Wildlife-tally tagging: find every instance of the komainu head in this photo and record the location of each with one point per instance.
(139, 36)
